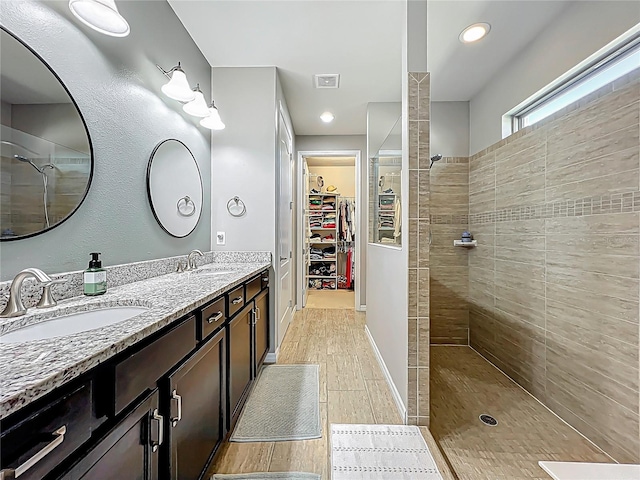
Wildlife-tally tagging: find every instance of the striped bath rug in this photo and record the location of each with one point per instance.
(284, 405)
(380, 452)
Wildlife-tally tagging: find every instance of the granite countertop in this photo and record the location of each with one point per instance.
(29, 370)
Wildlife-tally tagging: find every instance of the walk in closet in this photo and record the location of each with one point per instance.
(330, 223)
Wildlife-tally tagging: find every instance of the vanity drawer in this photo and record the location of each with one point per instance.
(41, 441)
(141, 370)
(235, 301)
(254, 287)
(212, 317)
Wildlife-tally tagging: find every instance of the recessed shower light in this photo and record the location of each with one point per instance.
(474, 32)
(327, 117)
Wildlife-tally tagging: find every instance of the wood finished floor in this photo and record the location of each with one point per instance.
(352, 390)
(463, 386)
(331, 299)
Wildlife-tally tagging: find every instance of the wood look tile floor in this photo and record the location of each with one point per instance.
(352, 390)
(463, 386)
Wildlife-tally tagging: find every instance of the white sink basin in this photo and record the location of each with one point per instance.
(72, 323)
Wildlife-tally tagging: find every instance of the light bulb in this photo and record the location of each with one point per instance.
(327, 117)
(101, 15)
(474, 32)
(213, 121)
(178, 87)
(198, 106)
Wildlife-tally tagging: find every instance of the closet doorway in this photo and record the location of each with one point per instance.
(329, 219)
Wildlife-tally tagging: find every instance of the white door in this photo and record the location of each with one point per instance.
(285, 233)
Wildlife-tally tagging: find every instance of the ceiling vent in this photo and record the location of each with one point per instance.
(326, 80)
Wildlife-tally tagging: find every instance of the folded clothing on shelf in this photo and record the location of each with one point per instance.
(322, 269)
(329, 284)
(328, 238)
(329, 252)
(315, 237)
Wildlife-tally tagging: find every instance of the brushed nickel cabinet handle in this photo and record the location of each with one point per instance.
(237, 300)
(50, 447)
(155, 416)
(175, 396)
(215, 318)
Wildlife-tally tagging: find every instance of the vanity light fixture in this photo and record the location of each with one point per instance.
(327, 117)
(101, 15)
(474, 32)
(213, 121)
(198, 106)
(178, 87)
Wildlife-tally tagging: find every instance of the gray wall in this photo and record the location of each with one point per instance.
(450, 129)
(345, 142)
(581, 30)
(117, 87)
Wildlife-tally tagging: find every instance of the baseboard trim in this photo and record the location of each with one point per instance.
(394, 391)
(272, 357)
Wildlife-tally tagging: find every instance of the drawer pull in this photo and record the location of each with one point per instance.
(215, 318)
(237, 300)
(265, 279)
(175, 396)
(155, 416)
(257, 313)
(57, 441)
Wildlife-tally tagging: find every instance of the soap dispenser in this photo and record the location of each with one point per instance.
(95, 277)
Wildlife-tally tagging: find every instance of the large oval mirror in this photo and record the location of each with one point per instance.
(174, 187)
(46, 160)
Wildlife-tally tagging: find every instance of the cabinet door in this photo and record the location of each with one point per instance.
(129, 450)
(195, 396)
(239, 366)
(261, 333)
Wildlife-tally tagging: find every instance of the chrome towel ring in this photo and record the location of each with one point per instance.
(238, 206)
(187, 201)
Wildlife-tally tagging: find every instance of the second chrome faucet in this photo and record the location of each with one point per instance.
(190, 263)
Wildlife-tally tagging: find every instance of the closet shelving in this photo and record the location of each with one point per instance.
(319, 243)
(386, 216)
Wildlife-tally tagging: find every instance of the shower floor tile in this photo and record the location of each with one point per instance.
(463, 386)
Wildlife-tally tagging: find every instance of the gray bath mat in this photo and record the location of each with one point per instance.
(268, 476)
(380, 452)
(284, 405)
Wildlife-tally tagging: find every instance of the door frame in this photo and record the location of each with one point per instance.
(360, 204)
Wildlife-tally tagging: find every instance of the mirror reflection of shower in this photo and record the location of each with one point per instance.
(435, 158)
(45, 181)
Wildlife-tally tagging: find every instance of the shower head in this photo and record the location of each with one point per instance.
(21, 158)
(435, 158)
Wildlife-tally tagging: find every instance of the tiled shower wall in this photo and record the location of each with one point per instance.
(554, 282)
(418, 241)
(449, 271)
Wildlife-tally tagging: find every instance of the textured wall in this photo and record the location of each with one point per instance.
(117, 87)
(449, 273)
(418, 240)
(553, 284)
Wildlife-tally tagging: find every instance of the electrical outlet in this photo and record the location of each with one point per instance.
(221, 238)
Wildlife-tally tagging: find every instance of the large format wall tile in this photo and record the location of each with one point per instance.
(554, 283)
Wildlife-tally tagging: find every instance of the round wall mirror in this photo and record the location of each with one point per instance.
(174, 187)
(46, 157)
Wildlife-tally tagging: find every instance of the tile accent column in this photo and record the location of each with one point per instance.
(418, 240)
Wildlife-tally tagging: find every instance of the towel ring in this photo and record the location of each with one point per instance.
(238, 203)
(187, 200)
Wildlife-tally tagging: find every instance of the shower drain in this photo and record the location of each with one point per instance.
(488, 420)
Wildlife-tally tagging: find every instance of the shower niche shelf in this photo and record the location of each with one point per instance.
(460, 243)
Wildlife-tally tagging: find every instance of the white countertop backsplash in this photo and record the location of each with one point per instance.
(29, 370)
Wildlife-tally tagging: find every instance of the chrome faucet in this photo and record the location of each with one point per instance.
(191, 262)
(15, 307)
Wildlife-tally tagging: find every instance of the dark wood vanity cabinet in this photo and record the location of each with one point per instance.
(240, 355)
(194, 398)
(157, 411)
(128, 450)
(261, 330)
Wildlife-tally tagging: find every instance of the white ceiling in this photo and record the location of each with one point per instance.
(360, 40)
(459, 71)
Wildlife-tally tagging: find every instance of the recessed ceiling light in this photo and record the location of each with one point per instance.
(474, 32)
(327, 117)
